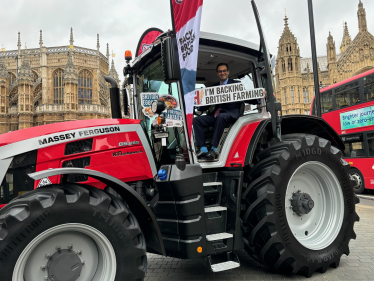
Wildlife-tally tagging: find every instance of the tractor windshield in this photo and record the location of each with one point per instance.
(150, 86)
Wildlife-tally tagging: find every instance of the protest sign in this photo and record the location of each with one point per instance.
(172, 113)
(357, 118)
(226, 93)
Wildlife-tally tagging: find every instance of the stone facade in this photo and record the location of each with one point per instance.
(294, 74)
(55, 84)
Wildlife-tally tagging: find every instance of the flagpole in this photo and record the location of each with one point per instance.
(314, 59)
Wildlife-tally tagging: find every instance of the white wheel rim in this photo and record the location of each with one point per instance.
(96, 251)
(319, 228)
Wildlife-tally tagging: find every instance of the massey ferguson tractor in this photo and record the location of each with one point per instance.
(87, 200)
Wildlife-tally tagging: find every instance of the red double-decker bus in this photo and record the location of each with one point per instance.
(348, 106)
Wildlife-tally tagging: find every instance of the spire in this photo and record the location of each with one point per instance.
(25, 69)
(3, 68)
(331, 49)
(361, 14)
(107, 51)
(98, 42)
(71, 37)
(19, 43)
(113, 72)
(41, 39)
(346, 38)
(70, 71)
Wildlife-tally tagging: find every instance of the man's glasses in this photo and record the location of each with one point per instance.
(222, 71)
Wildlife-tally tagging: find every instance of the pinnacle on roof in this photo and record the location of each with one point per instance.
(19, 40)
(361, 14)
(113, 72)
(107, 51)
(98, 42)
(346, 38)
(3, 68)
(41, 39)
(70, 70)
(71, 37)
(25, 69)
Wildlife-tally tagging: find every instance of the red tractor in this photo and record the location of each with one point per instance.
(86, 200)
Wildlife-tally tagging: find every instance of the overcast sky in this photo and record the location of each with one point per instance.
(121, 22)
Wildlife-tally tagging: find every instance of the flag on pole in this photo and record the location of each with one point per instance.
(186, 17)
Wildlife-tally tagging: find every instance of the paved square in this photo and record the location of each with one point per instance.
(359, 265)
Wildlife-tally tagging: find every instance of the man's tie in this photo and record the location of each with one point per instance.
(217, 111)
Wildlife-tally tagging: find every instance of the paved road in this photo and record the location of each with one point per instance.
(359, 265)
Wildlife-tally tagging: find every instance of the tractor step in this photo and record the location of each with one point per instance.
(231, 261)
(215, 209)
(212, 183)
(218, 236)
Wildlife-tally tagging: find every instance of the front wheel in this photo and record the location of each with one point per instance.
(300, 205)
(359, 186)
(70, 232)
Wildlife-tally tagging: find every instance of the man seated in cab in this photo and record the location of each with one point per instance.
(222, 116)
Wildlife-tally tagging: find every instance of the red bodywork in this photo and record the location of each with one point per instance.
(106, 156)
(365, 165)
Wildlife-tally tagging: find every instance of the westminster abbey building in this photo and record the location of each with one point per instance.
(53, 84)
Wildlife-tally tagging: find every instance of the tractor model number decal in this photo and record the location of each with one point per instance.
(120, 153)
(127, 143)
(7, 250)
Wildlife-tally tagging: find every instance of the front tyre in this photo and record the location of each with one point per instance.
(300, 205)
(359, 186)
(70, 232)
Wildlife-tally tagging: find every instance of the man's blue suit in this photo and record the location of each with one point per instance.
(228, 114)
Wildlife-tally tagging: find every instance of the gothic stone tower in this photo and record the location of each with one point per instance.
(70, 89)
(4, 96)
(25, 95)
(288, 75)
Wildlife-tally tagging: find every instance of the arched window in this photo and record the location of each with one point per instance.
(285, 97)
(307, 95)
(304, 95)
(85, 87)
(298, 93)
(35, 76)
(58, 87)
(12, 78)
(290, 68)
(292, 96)
(283, 66)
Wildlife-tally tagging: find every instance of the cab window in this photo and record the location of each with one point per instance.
(150, 80)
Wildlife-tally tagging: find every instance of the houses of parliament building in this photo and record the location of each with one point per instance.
(294, 75)
(53, 84)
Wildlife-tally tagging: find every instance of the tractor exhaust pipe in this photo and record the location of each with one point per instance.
(115, 102)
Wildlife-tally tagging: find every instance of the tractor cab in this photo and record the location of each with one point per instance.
(147, 77)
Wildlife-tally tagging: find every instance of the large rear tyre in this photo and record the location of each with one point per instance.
(70, 232)
(300, 205)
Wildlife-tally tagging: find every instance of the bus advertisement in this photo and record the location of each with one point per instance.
(348, 106)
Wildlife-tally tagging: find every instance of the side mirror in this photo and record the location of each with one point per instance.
(170, 60)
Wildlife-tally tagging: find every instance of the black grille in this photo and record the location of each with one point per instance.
(78, 146)
(76, 163)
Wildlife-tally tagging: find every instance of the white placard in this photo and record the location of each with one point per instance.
(226, 93)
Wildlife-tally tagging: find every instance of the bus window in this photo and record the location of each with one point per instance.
(326, 101)
(354, 147)
(347, 95)
(371, 143)
(369, 87)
